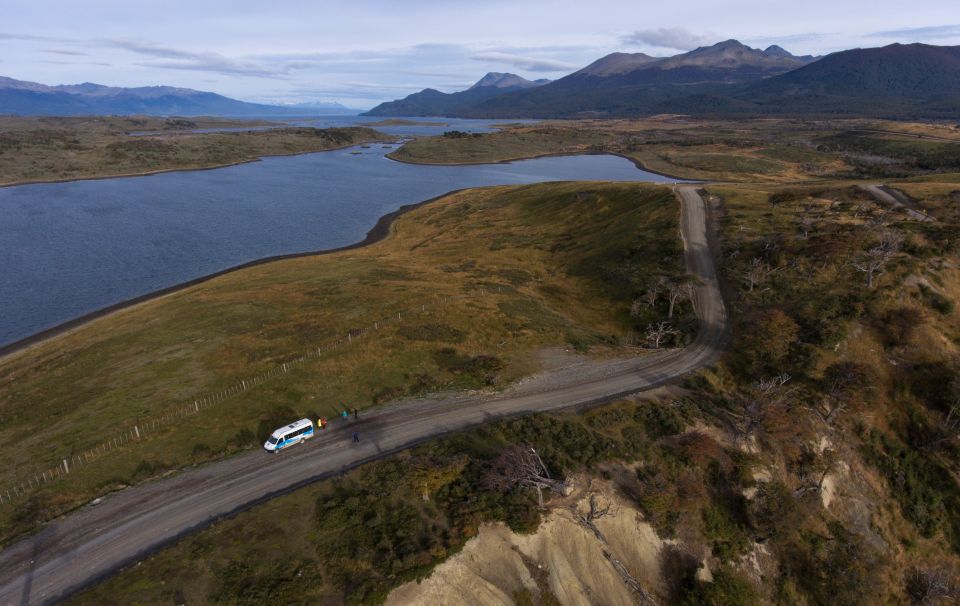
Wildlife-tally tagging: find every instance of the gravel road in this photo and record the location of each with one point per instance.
(97, 540)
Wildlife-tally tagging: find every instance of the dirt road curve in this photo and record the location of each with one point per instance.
(96, 541)
(897, 200)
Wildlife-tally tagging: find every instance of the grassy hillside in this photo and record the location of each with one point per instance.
(544, 265)
(817, 464)
(50, 149)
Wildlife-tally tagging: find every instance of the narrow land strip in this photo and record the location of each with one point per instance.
(91, 544)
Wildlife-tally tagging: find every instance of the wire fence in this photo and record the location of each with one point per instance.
(144, 427)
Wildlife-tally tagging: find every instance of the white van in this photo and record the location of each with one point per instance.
(293, 433)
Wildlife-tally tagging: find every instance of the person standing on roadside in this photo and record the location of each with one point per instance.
(356, 413)
(356, 437)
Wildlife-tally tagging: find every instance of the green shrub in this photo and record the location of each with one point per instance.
(727, 589)
(728, 538)
(660, 419)
(432, 332)
(928, 494)
(480, 369)
(240, 583)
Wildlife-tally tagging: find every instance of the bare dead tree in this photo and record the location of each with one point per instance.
(764, 398)
(653, 292)
(841, 378)
(587, 520)
(929, 587)
(873, 262)
(519, 465)
(656, 333)
(678, 289)
(756, 273)
(769, 245)
(807, 220)
(650, 296)
(645, 597)
(813, 473)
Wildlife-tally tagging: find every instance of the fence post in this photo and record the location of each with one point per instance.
(66, 466)
(137, 430)
(196, 406)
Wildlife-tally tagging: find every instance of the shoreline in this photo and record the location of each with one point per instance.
(379, 232)
(635, 162)
(161, 171)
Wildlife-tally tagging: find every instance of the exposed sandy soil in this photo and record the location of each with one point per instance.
(562, 558)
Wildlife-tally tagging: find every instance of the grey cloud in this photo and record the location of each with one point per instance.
(62, 51)
(668, 37)
(430, 74)
(215, 67)
(933, 32)
(787, 39)
(32, 38)
(203, 62)
(533, 64)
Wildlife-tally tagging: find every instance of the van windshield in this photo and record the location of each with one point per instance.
(272, 440)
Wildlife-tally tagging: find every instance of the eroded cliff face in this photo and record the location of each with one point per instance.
(564, 560)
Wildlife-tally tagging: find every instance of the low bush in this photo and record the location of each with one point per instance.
(432, 332)
(728, 588)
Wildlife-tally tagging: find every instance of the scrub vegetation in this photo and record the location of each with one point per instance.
(770, 150)
(56, 149)
(523, 268)
(816, 464)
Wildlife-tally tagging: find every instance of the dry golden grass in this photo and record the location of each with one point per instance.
(51, 149)
(534, 261)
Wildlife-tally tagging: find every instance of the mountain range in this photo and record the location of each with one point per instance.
(727, 79)
(18, 97)
(431, 102)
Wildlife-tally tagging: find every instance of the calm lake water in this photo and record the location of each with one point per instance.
(67, 249)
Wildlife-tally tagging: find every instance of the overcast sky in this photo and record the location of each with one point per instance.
(361, 52)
